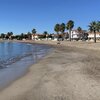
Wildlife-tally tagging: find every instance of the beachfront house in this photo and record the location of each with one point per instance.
(91, 35)
(34, 37)
(74, 35)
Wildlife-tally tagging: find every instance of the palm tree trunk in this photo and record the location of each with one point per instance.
(57, 36)
(94, 37)
(70, 34)
(63, 36)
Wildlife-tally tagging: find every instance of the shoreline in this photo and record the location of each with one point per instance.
(18, 68)
(49, 78)
(78, 44)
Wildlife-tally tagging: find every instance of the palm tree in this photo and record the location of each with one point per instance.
(57, 29)
(62, 29)
(69, 26)
(93, 28)
(34, 32)
(79, 29)
(98, 26)
(45, 33)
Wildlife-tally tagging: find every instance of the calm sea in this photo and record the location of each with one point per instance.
(15, 58)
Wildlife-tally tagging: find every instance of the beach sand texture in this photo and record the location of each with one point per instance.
(68, 73)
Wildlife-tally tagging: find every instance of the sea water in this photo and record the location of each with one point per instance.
(16, 58)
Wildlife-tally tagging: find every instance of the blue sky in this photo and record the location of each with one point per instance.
(22, 15)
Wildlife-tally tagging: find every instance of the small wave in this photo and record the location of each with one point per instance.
(5, 63)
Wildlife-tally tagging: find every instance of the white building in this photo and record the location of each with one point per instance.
(91, 35)
(35, 37)
(74, 34)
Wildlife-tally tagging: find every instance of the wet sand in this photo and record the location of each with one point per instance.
(70, 72)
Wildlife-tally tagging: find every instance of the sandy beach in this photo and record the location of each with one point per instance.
(70, 72)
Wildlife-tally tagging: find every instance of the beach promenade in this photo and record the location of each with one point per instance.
(70, 72)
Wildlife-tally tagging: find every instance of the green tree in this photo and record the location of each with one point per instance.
(57, 29)
(80, 32)
(98, 26)
(22, 36)
(34, 31)
(9, 35)
(2, 35)
(62, 29)
(79, 29)
(29, 35)
(45, 33)
(69, 26)
(93, 28)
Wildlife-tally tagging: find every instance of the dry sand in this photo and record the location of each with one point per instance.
(70, 72)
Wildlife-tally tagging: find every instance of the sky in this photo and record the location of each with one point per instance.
(21, 16)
